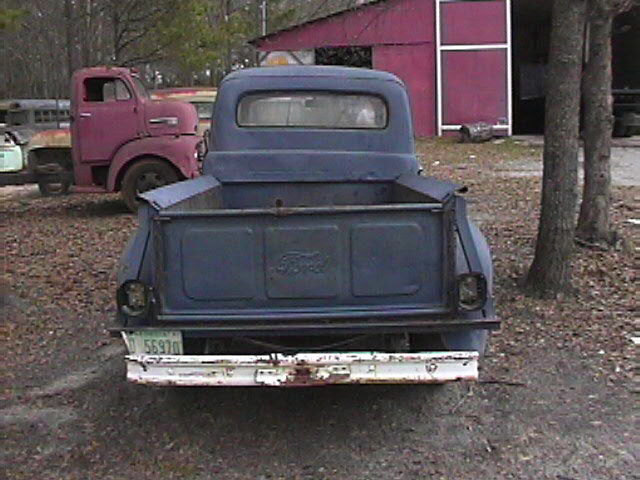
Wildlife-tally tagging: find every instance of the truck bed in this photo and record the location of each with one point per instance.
(243, 252)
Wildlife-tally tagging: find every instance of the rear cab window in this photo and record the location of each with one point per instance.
(329, 110)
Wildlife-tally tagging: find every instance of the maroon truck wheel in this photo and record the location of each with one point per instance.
(143, 176)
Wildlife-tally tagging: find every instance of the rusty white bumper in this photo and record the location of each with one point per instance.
(302, 369)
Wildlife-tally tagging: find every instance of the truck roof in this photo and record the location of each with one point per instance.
(313, 71)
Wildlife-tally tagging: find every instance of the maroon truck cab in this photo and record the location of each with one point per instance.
(122, 140)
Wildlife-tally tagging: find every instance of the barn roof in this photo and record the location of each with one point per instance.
(296, 26)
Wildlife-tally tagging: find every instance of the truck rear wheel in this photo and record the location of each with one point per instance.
(51, 189)
(143, 176)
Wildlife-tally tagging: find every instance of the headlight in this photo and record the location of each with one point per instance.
(472, 291)
(134, 298)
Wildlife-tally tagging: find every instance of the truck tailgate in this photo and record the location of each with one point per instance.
(323, 262)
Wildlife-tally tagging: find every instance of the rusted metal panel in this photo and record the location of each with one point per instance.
(185, 94)
(303, 369)
(58, 138)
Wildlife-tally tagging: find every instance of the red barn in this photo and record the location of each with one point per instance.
(454, 56)
(461, 59)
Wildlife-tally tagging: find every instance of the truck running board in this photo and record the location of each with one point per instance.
(303, 369)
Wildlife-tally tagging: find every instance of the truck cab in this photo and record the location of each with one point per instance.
(310, 252)
(122, 140)
(119, 140)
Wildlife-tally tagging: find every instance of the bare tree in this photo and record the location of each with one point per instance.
(133, 23)
(70, 22)
(550, 272)
(43, 41)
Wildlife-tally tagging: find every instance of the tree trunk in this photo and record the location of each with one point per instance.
(550, 272)
(87, 33)
(594, 222)
(70, 36)
(115, 26)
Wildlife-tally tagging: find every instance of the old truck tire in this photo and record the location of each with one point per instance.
(51, 189)
(143, 176)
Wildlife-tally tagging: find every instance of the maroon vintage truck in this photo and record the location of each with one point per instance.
(124, 141)
(121, 140)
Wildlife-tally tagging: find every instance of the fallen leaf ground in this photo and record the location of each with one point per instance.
(555, 400)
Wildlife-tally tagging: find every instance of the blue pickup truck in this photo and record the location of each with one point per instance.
(311, 251)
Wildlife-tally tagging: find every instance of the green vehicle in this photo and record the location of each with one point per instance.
(11, 158)
(35, 136)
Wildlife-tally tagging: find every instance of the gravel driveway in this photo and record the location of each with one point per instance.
(625, 166)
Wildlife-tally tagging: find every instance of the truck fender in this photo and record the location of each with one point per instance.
(478, 253)
(49, 157)
(484, 256)
(135, 261)
(179, 151)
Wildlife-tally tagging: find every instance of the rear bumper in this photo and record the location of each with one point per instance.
(303, 369)
(246, 327)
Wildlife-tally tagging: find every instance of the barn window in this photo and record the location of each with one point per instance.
(345, 56)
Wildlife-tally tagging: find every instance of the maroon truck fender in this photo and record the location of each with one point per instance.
(179, 151)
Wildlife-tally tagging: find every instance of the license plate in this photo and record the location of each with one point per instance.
(154, 342)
